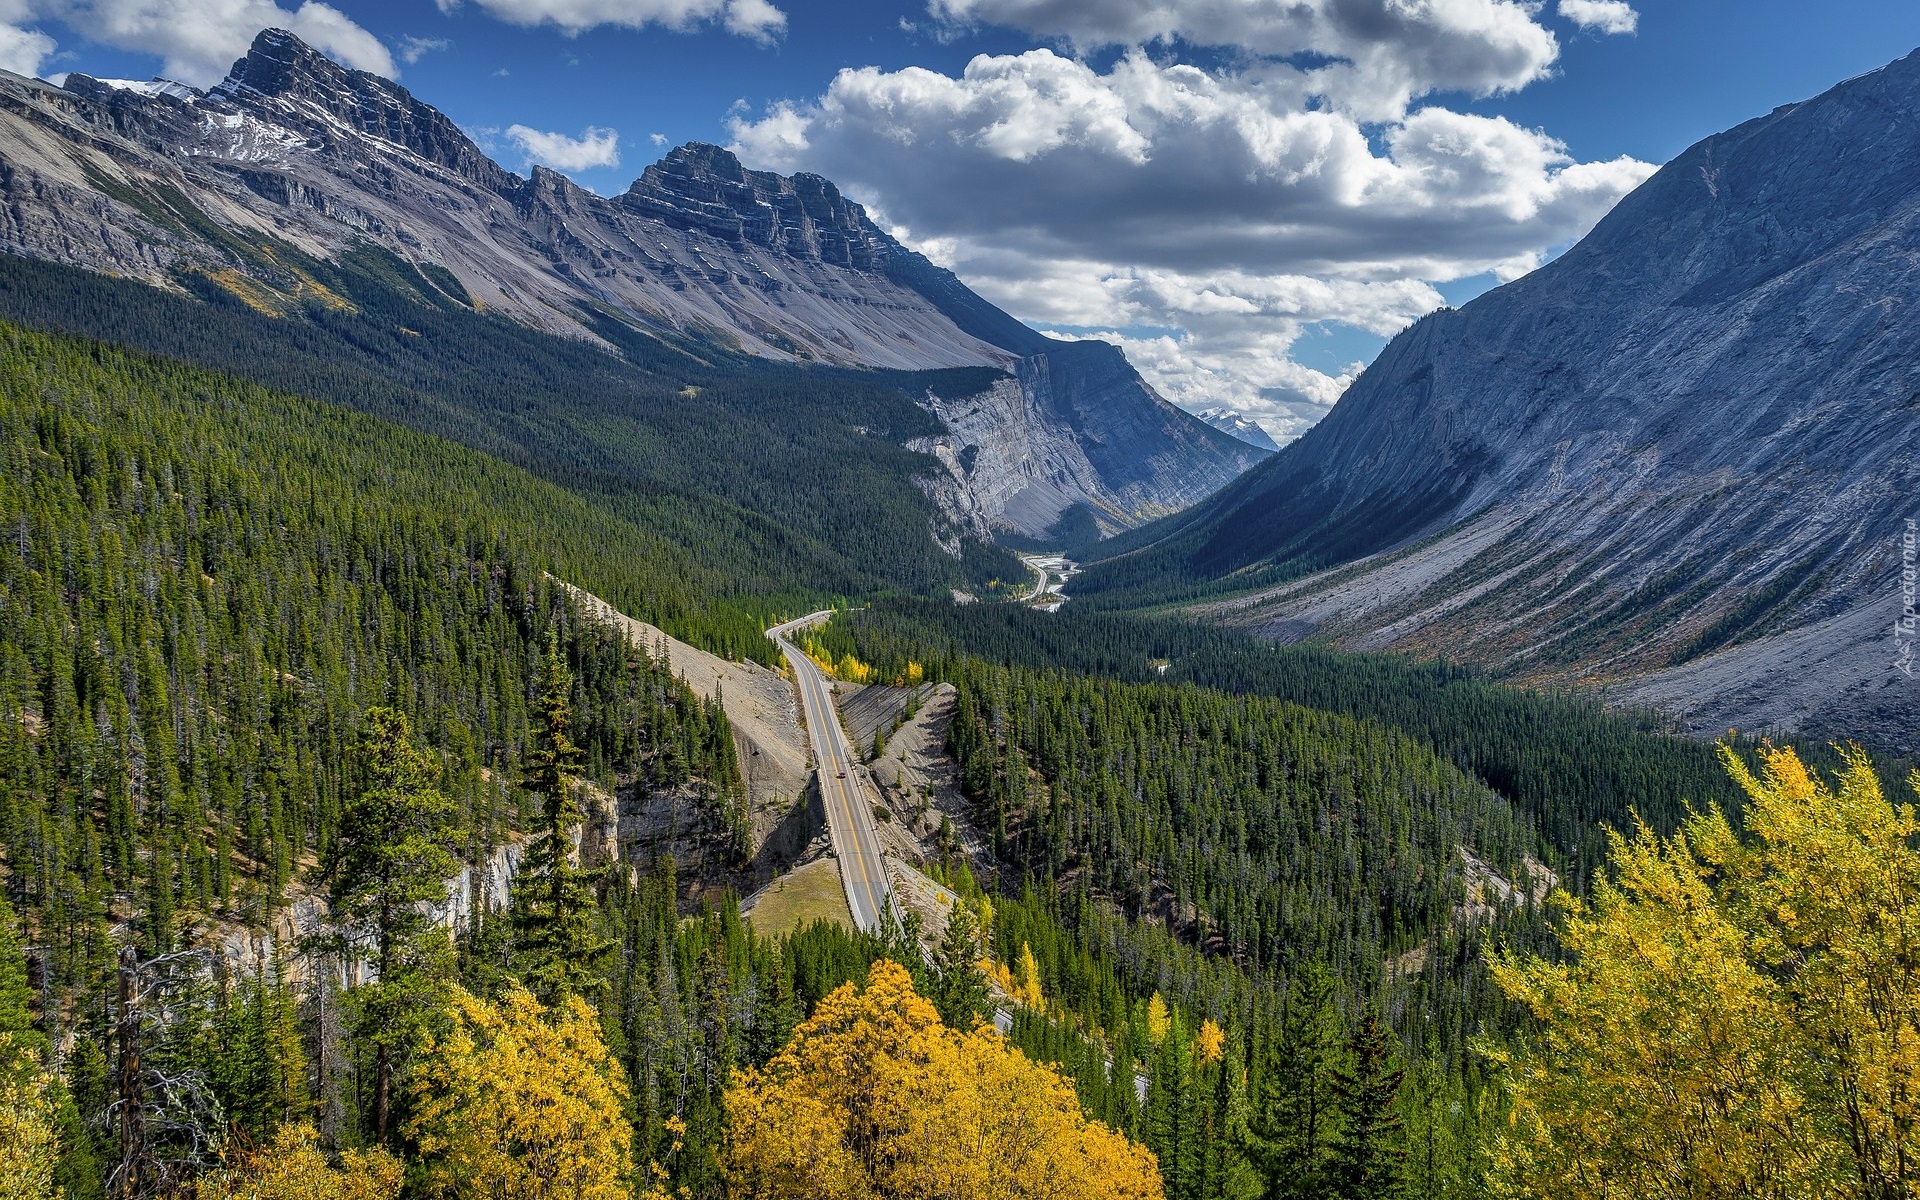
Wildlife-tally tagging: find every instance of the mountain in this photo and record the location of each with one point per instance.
(1678, 460)
(295, 158)
(1233, 424)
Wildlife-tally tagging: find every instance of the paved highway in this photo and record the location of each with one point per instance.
(842, 783)
(1054, 570)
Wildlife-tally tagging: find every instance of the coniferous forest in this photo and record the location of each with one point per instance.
(299, 731)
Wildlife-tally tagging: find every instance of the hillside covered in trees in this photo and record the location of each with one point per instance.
(781, 481)
(299, 730)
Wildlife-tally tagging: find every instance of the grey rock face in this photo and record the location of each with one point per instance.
(1662, 457)
(293, 149)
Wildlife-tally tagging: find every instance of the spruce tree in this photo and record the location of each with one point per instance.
(1293, 1129)
(1371, 1149)
(389, 857)
(16, 996)
(961, 991)
(555, 908)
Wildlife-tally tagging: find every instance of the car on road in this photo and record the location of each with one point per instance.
(843, 774)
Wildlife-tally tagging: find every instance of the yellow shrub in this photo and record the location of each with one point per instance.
(293, 1168)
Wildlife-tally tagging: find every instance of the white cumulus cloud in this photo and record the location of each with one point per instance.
(595, 147)
(1233, 208)
(199, 40)
(22, 51)
(756, 19)
(1604, 16)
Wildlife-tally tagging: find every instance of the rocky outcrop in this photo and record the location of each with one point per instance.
(1685, 453)
(160, 181)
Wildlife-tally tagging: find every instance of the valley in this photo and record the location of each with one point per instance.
(508, 690)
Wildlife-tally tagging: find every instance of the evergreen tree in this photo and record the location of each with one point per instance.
(259, 1070)
(390, 857)
(1371, 1150)
(555, 907)
(1294, 1127)
(961, 991)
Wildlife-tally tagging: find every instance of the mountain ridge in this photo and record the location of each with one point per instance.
(292, 149)
(1688, 436)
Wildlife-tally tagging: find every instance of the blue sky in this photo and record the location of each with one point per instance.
(1249, 203)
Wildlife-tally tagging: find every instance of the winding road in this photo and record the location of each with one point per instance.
(842, 784)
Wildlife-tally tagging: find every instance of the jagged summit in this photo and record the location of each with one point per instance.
(1230, 422)
(288, 81)
(706, 187)
(280, 64)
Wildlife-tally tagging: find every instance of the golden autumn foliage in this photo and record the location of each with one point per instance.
(28, 1143)
(1030, 993)
(518, 1102)
(1209, 1044)
(1022, 986)
(1159, 1020)
(293, 1168)
(875, 1099)
(1740, 1015)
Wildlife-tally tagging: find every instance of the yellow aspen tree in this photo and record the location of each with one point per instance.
(518, 1102)
(1030, 993)
(1738, 1014)
(1158, 1019)
(875, 1097)
(1209, 1044)
(29, 1145)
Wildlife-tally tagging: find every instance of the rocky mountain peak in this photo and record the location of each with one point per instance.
(707, 188)
(280, 64)
(700, 248)
(291, 84)
(1234, 425)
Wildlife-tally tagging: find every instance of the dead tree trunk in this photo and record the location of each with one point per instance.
(132, 1147)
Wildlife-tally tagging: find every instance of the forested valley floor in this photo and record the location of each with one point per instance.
(299, 733)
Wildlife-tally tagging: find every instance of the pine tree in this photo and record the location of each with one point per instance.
(388, 858)
(554, 903)
(1371, 1149)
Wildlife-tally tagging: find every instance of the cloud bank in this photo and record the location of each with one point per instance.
(1208, 217)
